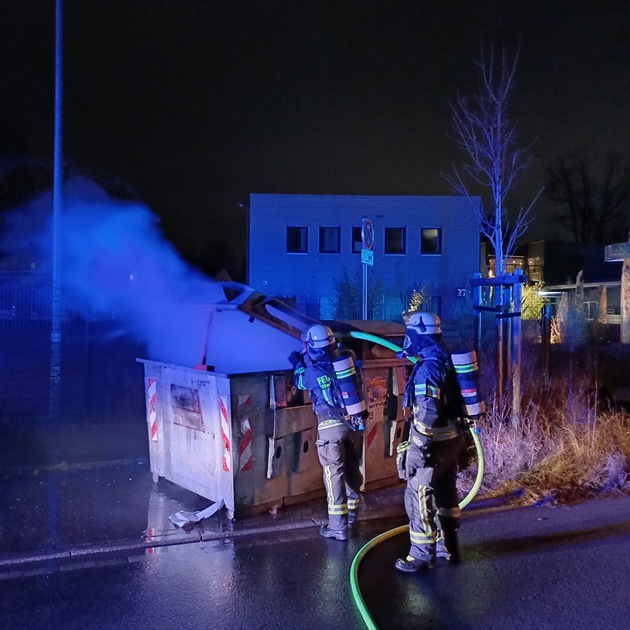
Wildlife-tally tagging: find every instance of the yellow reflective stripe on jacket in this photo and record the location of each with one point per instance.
(438, 434)
(430, 391)
(329, 424)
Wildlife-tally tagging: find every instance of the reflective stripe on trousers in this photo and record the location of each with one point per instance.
(339, 450)
(431, 490)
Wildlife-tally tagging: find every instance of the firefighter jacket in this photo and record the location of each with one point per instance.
(317, 379)
(426, 394)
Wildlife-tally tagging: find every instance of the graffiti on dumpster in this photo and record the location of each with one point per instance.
(186, 407)
(376, 389)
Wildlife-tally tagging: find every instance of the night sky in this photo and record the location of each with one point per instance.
(194, 104)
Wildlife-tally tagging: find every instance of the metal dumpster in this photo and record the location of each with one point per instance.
(234, 429)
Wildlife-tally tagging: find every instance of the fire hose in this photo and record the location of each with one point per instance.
(354, 568)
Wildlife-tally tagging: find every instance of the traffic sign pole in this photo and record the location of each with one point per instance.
(364, 294)
(367, 258)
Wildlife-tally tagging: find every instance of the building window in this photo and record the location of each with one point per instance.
(431, 241)
(394, 240)
(357, 240)
(329, 240)
(297, 240)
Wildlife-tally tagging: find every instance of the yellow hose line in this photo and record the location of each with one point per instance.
(354, 567)
(474, 431)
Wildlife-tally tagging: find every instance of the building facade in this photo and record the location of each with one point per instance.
(306, 250)
(557, 265)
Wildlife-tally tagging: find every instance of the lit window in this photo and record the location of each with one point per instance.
(357, 240)
(431, 241)
(329, 240)
(394, 240)
(297, 240)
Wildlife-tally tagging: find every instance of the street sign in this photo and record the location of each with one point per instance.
(367, 233)
(367, 260)
(617, 252)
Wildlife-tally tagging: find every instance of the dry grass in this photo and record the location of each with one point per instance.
(538, 461)
(562, 449)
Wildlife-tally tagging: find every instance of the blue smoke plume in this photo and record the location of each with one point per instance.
(116, 263)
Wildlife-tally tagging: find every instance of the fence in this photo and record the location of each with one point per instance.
(99, 411)
(384, 308)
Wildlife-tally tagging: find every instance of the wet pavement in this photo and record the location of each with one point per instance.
(68, 512)
(523, 568)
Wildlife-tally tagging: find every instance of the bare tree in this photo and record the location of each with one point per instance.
(484, 131)
(593, 211)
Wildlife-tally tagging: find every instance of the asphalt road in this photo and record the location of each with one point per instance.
(525, 568)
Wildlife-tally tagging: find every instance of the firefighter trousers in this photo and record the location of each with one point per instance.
(431, 491)
(340, 452)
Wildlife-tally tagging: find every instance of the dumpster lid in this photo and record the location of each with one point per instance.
(373, 327)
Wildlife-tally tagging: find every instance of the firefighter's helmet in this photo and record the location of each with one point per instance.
(319, 336)
(425, 323)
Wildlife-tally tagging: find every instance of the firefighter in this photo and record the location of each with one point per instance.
(339, 447)
(427, 461)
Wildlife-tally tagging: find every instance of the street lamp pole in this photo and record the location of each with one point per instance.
(56, 305)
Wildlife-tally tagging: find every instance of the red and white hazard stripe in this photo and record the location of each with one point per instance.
(152, 408)
(245, 400)
(245, 460)
(371, 434)
(225, 432)
(245, 445)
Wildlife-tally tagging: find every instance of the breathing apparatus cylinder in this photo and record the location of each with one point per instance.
(349, 387)
(467, 370)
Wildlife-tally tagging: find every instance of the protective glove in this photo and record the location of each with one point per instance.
(401, 354)
(296, 359)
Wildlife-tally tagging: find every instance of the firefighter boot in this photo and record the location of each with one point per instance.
(451, 544)
(413, 565)
(337, 534)
(352, 518)
(440, 548)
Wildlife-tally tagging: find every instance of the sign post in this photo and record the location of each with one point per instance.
(614, 253)
(367, 258)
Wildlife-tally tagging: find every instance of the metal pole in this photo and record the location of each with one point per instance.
(364, 304)
(624, 335)
(477, 302)
(517, 293)
(545, 336)
(498, 301)
(55, 327)
(508, 301)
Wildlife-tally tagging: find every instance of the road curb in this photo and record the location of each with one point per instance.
(172, 538)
